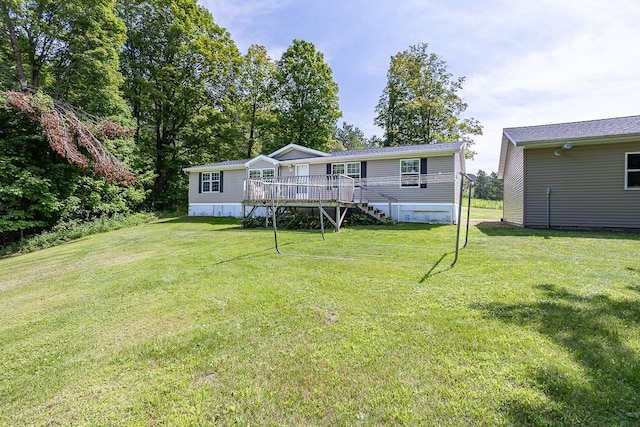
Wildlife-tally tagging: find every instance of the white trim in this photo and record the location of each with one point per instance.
(577, 141)
(345, 165)
(248, 174)
(410, 173)
(209, 168)
(210, 181)
(291, 147)
(627, 170)
(374, 156)
(262, 157)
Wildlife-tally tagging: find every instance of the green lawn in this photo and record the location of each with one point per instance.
(190, 321)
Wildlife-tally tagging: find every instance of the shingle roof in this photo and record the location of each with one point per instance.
(449, 146)
(618, 126)
(225, 163)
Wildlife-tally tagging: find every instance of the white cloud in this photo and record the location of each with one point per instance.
(526, 62)
(588, 72)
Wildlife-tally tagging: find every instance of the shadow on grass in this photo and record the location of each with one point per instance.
(431, 273)
(587, 327)
(249, 255)
(493, 230)
(218, 220)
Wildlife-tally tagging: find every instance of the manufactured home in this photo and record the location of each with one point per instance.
(418, 183)
(572, 175)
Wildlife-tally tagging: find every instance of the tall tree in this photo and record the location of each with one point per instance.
(307, 98)
(420, 103)
(350, 137)
(60, 53)
(68, 49)
(180, 68)
(257, 82)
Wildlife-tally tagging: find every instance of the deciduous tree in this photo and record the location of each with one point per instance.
(420, 103)
(307, 98)
(180, 69)
(256, 90)
(57, 54)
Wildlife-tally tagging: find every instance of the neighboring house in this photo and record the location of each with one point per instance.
(572, 175)
(418, 183)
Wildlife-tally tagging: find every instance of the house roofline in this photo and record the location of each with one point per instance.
(291, 147)
(558, 142)
(262, 157)
(589, 140)
(213, 167)
(334, 157)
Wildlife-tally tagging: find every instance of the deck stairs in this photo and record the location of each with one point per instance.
(375, 213)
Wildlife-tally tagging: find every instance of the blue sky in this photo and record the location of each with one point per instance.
(525, 62)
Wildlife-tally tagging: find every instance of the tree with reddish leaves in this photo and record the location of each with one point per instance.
(72, 139)
(57, 163)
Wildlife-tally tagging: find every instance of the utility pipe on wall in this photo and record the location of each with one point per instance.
(548, 208)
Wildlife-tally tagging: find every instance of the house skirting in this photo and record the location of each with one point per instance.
(216, 209)
(427, 213)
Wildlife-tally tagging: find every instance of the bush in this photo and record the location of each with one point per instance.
(294, 219)
(74, 229)
(291, 219)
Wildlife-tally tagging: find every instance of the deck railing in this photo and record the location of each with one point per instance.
(328, 188)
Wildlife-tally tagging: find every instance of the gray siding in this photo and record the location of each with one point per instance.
(233, 188)
(587, 187)
(293, 155)
(434, 193)
(513, 207)
(262, 164)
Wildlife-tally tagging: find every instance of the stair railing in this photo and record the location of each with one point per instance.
(385, 196)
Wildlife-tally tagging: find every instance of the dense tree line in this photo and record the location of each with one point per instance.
(174, 81)
(488, 187)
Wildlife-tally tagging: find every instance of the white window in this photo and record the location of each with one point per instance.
(210, 182)
(268, 173)
(262, 173)
(353, 170)
(632, 171)
(350, 169)
(410, 173)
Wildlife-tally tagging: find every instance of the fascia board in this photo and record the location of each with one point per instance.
(210, 168)
(291, 147)
(262, 157)
(612, 139)
(392, 156)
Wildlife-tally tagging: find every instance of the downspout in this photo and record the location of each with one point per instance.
(548, 208)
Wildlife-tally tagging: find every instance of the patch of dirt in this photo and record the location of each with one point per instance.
(490, 223)
(332, 316)
(207, 379)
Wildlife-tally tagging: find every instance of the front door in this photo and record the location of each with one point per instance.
(302, 174)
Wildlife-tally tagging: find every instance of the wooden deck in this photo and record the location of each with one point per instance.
(300, 190)
(314, 191)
